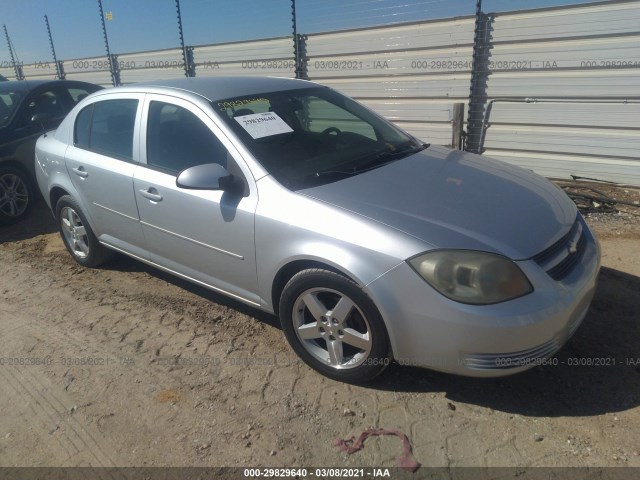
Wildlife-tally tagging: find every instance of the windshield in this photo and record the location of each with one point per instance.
(309, 137)
(9, 101)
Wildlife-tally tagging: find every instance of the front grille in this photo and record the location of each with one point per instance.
(565, 267)
(560, 259)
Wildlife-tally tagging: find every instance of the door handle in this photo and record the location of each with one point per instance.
(151, 194)
(80, 172)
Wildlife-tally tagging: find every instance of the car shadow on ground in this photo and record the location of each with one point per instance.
(39, 222)
(123, 263)
(597, 371)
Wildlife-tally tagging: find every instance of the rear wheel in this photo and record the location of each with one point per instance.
(77, 235)
(16, 195)
(334, 326)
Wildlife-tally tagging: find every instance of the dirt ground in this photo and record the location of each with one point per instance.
(127, 366)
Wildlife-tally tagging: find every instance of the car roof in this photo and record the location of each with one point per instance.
(28, 85)
(220, 88)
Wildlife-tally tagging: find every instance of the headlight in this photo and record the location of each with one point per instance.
(466, 276)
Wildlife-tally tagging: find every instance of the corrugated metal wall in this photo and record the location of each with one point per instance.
(557, 90)
(412, 74)
(273, 57)
(582, 64)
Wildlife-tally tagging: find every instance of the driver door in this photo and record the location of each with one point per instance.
(206, 236)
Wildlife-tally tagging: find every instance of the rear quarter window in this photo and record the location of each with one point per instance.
(83, 127)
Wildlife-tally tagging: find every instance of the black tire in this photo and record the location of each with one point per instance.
(16, 195)
(351, 347)
(77, 235)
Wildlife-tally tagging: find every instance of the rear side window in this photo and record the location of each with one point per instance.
(106, 127)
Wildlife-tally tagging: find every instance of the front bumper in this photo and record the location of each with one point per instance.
(428, 330)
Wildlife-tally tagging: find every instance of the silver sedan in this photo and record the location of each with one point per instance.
(369, 244)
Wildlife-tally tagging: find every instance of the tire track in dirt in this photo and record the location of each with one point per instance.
(53, 407)
(236, 413)
(47, 328)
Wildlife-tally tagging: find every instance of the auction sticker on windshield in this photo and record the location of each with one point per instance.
(266, 124)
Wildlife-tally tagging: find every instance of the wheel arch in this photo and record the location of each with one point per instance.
(60, 186)
(290, 269)
(13, 163)
(55, 194)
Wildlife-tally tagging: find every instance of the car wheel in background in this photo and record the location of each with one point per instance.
(16, 195)
(334, 326)
(77, 235)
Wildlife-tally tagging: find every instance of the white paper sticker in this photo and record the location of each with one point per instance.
(265, 124)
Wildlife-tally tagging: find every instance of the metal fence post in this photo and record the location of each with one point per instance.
(115, 79)
(16, 67)
(457, 125)
(115, 69)
(298, 45)
(187, 52)
(191, 63)
(59, 70)
(479, 79)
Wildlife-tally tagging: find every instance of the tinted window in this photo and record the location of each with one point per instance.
(83, 127)
(177, 139)
(78, 93)
(9, 101)
(107, 127)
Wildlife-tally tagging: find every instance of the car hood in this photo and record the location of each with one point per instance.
(454, 199)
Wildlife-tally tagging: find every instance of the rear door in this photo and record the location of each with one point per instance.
(204, 235)
(101, 163)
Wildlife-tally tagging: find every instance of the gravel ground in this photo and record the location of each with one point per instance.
(127, 366)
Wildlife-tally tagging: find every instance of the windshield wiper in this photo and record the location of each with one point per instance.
(377, 160)
(386, 156)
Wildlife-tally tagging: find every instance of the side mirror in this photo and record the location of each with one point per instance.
(210, 176)
(42, 119)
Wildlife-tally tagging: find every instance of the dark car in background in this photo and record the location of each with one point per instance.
(26, 109)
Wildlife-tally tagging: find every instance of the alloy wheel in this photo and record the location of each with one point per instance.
(14, 195)
(75, 233)
(332, 328)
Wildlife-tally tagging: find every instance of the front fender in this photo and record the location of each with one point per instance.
(291, 228)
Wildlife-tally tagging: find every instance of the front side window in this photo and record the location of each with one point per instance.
(309, 137)
(106, 127)
(177, 139)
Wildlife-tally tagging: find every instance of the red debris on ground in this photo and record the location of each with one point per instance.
(406, 460)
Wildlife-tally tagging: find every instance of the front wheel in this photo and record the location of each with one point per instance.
(334, 326)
